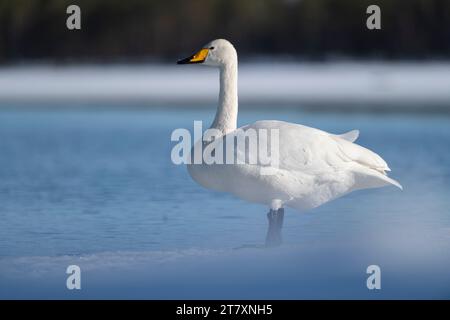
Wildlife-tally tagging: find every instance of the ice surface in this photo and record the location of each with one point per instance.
(406, 84)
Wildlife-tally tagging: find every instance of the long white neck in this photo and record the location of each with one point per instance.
(227, 111)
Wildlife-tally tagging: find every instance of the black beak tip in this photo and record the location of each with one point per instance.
(183, 61)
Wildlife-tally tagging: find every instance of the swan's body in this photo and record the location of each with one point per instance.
(314, 166)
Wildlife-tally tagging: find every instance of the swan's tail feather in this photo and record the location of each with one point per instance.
(393, 182)
(370, 168)
(372, 178)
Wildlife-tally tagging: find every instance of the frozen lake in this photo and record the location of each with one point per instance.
(97, 188)
(326, 85)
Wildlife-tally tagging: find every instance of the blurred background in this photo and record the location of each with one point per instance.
(152, 30)
(316, 51)
(85, 123)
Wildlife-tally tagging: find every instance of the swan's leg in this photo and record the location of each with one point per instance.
(276, 218)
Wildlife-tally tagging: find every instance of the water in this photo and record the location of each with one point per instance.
(97, 188)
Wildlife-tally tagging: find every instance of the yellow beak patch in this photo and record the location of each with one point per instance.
(199, 57)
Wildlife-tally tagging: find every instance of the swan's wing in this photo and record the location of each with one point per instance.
(310, 150)
(300, 148)
(372, 165)
(349, 136)
(364, 156)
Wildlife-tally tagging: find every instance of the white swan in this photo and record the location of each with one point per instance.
(314, 166)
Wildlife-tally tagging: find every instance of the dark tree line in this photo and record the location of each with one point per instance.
(113, 30)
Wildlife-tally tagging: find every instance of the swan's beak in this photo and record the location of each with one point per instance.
(199, 57)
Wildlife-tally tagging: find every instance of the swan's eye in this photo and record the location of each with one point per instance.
(211, 48)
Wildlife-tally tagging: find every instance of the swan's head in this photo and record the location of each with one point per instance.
(216, 53)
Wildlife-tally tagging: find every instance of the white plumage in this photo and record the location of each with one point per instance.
(314, 166)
